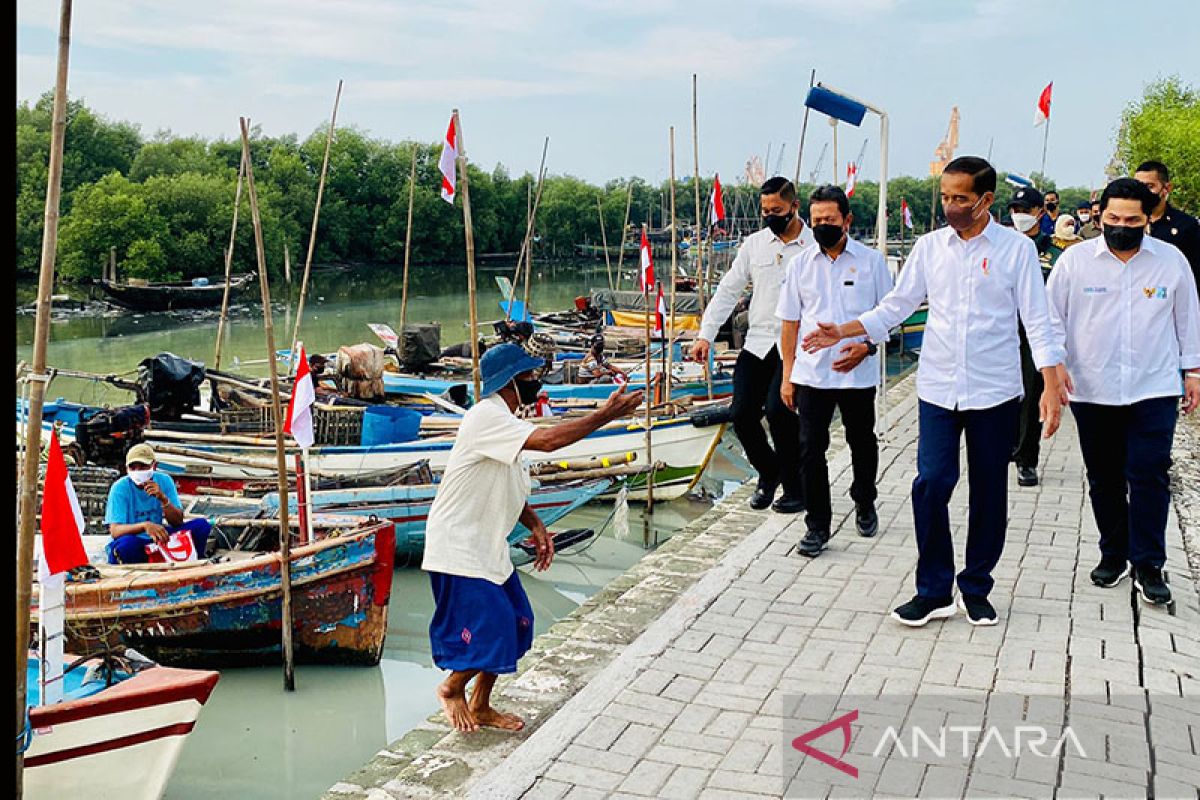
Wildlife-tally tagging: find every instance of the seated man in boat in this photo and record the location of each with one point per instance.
(143, 510)
(482, 621)
(595, 366)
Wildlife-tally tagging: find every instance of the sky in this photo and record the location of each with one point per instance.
(606, 79)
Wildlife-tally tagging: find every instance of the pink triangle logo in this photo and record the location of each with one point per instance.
(842, 723)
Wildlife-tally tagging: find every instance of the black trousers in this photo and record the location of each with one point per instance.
(1029, 429)
(755, 391)
(816, 407)
(1127, 453)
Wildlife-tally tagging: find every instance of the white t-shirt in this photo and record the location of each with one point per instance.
(482, 493)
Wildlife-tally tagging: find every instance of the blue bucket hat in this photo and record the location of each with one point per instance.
(502, 363)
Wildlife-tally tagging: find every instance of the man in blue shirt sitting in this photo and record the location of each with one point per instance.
(138, 506)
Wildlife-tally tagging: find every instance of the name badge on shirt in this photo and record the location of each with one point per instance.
(847, 283)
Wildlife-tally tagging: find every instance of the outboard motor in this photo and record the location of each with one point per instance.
(106, 435)
(170, 385)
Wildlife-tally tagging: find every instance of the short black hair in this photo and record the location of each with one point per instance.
(983, 174)
(1051, 192)
(831, 194)
(1129, 189)
(781, 186)
(1164, 174)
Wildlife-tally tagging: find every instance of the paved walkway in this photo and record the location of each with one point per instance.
(767, 645)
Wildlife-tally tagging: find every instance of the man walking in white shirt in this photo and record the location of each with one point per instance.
(761, 259)
(838, 280)
(977, 277)
(1127, 305)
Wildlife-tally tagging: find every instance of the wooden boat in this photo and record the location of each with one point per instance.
(225, 610)
(199, 293)
(111, 741)
(910, 333)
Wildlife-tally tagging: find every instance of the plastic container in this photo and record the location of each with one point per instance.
(389, 425)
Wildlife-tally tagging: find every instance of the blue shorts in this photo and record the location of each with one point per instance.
(479, 625)
(131, 548)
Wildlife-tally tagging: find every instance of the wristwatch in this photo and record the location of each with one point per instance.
(872, 348)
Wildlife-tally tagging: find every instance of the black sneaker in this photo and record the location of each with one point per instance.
(788, 504)
(1109, 572)
(866, 519)
(920, 610)
(1027, 476)
(979, 611)
(762, 496)
(1151, 586)
(813, 543)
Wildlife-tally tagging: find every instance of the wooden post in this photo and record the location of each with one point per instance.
(624, 228)
(701, 272)
(669, 344)
(470, 236)
(312, 235)
(112, 264)
(287, 265)
(39, 377)
(604, 242)
(412, 188)
(237, 203)
(649, 415)
(285, 543)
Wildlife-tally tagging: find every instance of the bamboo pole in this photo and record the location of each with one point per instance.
(525, 254)
(669, 344)
(649, 403)
(287, 266)
(312, 235)
(237, 203)
(470, 237)
(812, 78)
(537, 203)
(285, 544)
(604, 243)
(412, 188)
(112, 264)
(701, 272)
(624, 228)
(39, 378)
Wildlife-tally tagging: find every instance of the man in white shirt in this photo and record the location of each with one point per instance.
(761, 259)
(1127, 305)
(482, 621)
(977, 277)
(838, 280)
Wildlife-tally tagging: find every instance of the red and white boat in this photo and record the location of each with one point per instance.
(119, 741)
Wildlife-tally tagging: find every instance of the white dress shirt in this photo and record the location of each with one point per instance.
(816, 289)
(970, 353)
(761, 260)
(1129, 327)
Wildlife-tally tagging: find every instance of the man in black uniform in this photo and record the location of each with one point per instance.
(1168, 223)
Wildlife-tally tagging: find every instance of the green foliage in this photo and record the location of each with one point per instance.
(1164, 125)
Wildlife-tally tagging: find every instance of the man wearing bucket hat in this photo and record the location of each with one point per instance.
(143, 512)
(482, 621)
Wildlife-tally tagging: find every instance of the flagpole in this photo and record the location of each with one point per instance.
(38, 377)
(312, 236)
(624, 228)
(604, 242)
(670, 358)
(812, 78)
(412, 189)
(237, 202)
(285, 536)
(648, 396)
(1045, 144)
(470, 237)
(701, 272)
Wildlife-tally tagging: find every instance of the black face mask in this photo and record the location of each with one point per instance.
(1052, 206)
(778, 222)
(527, 391)
(827, 235)
(1123, 238)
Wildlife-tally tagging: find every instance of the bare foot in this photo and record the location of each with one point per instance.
(454, 705)
(491, 718)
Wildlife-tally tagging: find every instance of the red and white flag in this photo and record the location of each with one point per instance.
(647, 263)
(447, 161)
(1042, 114)
(716, 202)
(660, 314)
(851, 178)
(905, 213)
(62, 519)
(299, 422)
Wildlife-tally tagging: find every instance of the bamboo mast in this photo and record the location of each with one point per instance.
(701, 271)
(525, 255)
(285, 544)
(604, 242)
(312, 235)
(39, 378)
(537, 202)
(412, 187)
(812, 78)
(237, 203)
(470, 236)
(669, 344)
(624, 228)
(649, 404)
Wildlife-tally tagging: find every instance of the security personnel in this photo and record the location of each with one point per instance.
(1168, 223)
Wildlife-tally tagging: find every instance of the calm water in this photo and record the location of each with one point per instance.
(254, 739)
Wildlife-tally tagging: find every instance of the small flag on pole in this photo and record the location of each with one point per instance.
(905, 213)
(647, 271)
(62, 519)
(299, 422)
(1042, 114)
(716, 202)
(447, 163)
(660, 314)
(851, 178)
